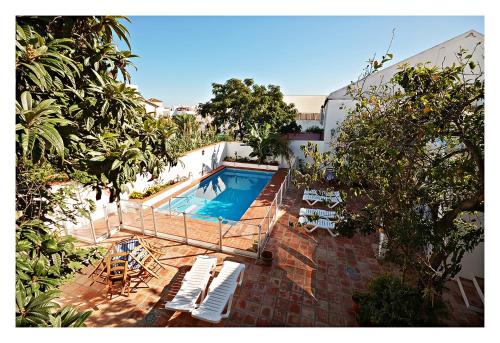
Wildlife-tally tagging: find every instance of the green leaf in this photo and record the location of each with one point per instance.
(51, 135)
(26, 100)
(116, 164)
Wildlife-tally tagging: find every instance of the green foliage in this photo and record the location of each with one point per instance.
(390, 302)
(185, 142)
(151, 190)
(247, 160)
(39, 309)
(136, 195)
(72, 109)
(186, 123)
(312, 172)
(413, 150)
(36, 127)
(266, 143)
(45, 260)
(315, 129)
(74, 118)
(238, 106)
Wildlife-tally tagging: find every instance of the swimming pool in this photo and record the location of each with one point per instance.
(227, 194)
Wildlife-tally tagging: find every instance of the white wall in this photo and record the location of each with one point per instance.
(193, 165)
(242, 149)
(334, 116)
(297, 152)
(83, 194)
(158, 111)
(473, 262)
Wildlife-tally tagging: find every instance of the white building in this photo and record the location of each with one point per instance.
(182, 109)
(440, 55)
(309, 107)
(156, 107)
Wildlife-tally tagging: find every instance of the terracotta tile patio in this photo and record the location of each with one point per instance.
(309, 284)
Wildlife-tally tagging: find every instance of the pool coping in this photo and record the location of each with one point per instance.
(259, 201)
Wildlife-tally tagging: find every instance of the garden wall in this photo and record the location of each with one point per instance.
(193, 165)
(237, 147)
(295, 147)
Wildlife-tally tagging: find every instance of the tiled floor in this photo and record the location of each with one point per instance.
(310, 283)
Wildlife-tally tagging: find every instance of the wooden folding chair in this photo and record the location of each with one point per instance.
(142, 256)
(117, 273)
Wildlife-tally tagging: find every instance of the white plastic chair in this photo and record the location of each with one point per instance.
(193, 285)
(220, 293)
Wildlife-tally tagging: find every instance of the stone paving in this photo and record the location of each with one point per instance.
(309, 284)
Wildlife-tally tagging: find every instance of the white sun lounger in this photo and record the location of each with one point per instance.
(316, 211)
(220, 293)
(316, 192)
(321, 223)
(193, 285)
(312, 198)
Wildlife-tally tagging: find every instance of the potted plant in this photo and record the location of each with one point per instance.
(267, 257)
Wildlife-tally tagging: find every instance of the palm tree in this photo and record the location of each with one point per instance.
(266, 143)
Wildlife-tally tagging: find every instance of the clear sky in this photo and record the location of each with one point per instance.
(180, 57)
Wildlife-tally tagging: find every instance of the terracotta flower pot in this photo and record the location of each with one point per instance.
(267, 257)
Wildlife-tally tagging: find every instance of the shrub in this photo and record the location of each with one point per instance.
(154, 189)
(314, 129)
(391, 302)
(224, 137)
(136, 195)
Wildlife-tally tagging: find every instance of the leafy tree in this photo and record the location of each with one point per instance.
(74, 115)
(40, 310)
(72, 65)
(239, 105)
(36, 127)
(414, 149)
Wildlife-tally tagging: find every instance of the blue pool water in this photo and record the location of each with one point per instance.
(226, 194)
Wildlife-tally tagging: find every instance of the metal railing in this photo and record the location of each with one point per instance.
(95, 230)
(199, 230)
(218, 234)
(272, 214)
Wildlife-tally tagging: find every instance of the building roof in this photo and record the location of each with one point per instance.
(306, 103)
(154, 100)
(151, 103)
(441, 55)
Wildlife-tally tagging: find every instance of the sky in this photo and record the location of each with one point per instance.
(180, 57)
